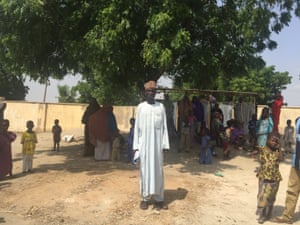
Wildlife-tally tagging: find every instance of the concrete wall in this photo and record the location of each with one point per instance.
(69, 115)
(291, 113)
(43, 115)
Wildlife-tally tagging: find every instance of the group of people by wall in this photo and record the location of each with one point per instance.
(100, 131)
(153, 127)
(203, 114)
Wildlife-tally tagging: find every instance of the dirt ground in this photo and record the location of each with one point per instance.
(66, 188)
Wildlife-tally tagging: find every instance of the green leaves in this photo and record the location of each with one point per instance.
(158, 22)
(136, 40)
(181, 40)
(265, 81)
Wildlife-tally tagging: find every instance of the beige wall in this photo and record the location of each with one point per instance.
(69, 115)
(43, 115)
(286, 113)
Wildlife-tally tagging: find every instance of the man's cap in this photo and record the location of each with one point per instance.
(150, 85)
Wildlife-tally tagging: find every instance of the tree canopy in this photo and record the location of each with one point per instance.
(117, 45)
(266, 82)
(12, 86)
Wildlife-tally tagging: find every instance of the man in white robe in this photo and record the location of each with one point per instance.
(151, 139)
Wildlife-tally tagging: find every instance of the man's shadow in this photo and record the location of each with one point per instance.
(173, 195)
(2, 220)
(278, 210)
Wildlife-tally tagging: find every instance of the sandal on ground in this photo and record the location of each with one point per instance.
(144, 205)
(281, 219)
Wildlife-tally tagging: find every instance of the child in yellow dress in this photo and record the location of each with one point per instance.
(28, 140)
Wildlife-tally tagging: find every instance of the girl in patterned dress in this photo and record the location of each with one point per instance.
(268, 176)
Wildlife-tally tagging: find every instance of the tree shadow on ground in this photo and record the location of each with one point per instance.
(74, 162)
(189, 162)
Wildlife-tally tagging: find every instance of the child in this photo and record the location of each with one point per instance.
(56, 131)
(268, 176)
(130, 152)
(288, 137)
(28, 140)
(205, 155)
(116, 148)
(216, 128)
(226, 139)
(6, 138)
(185, 136)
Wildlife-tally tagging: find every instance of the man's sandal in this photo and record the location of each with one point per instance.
(160, 205)
(144, 205)
(281, 219)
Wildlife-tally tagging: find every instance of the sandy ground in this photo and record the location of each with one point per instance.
(67, 188)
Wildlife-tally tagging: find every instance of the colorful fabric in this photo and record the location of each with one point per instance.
(263, 128)
(205, 156)
(267, 192)
(236, 134)
(269, 165)
(29, 140)
(225, 136)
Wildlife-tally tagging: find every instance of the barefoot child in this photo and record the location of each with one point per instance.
(288, 137)
(116, 148)
(28, 140)
(205, 155)
(268, 176)
(225, 135)
(56, 131)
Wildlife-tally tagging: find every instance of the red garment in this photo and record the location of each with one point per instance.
(98, 126)
(276, 108)
(5, 153)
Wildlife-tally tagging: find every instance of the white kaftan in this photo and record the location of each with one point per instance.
(150, 138)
